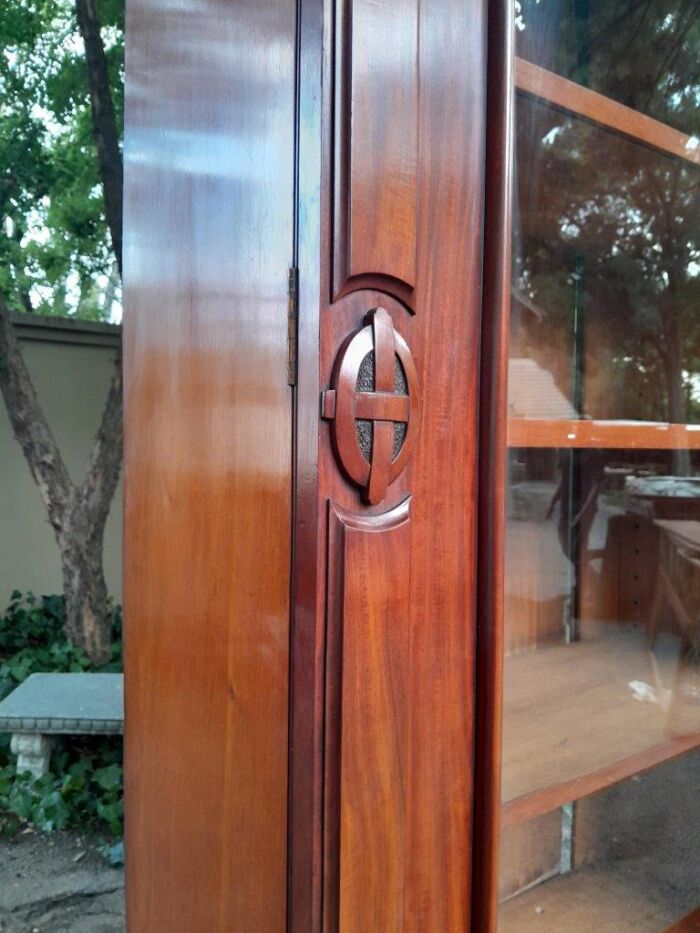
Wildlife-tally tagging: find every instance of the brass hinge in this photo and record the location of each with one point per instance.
(292, 324)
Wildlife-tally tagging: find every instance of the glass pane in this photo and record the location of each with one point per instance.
(642, 53)
(601, 754)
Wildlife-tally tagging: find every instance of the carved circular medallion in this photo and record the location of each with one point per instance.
(374, 406)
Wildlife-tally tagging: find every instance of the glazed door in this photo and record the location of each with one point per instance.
(392, 148)
(601, 723)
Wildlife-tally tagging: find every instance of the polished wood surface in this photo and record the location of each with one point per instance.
(492, 465)
(307, 654)
(625, 435)
(367, 716)
(376, 151)
(583, 102)
(382, 406)
(209, 238)
(420, 760)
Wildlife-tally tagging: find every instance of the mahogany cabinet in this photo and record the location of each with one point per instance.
(411, 379)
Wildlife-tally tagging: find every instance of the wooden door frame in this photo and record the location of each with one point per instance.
(306, 687)
(492, 463)
(305, 822)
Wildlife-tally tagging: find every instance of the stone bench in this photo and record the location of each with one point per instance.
(47, 705)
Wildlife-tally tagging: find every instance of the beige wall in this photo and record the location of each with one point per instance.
(70, 363)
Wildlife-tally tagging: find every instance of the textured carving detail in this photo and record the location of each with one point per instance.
(365, 383)
(374, 405)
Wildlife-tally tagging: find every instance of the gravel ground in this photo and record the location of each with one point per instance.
(58, 884)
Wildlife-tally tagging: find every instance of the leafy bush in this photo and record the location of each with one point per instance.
(84, 787)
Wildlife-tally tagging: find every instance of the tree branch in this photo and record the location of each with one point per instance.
(98, 486)
(30, 426)
(104, 125)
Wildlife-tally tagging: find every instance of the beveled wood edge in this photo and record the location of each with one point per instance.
(396, 288)
(342, 282)
(551, 798)
(306, 662)
(493, 400)
(543, 432)
(579, 100)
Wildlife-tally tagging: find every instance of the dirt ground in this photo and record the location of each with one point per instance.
(58, 884)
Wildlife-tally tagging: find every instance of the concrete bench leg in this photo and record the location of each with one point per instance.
(33, 752)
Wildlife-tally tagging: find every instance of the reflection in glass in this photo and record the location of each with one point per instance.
(601, 748)
(641, 53)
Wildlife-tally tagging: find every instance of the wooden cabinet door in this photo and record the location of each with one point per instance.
(391, 157)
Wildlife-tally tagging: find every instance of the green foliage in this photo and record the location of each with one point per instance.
(55, 250)
(84, 786)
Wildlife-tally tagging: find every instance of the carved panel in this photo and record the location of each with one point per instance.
(367, 719)
(376, 146)
(374, 426)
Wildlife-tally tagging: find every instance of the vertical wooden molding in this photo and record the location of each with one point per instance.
(388, 746)
(492, 466)
(376, 146)
(369, 559)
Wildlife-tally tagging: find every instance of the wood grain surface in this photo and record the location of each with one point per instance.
(209, 238)
(367, 715)
(492, 465)
(436, 186)
(376, 156)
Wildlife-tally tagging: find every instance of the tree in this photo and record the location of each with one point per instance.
(60, 253)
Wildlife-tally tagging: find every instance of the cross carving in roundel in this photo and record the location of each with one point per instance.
(388, 403)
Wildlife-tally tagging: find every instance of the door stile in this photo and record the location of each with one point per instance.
(493, 405)
(307, 647)
(391, 161)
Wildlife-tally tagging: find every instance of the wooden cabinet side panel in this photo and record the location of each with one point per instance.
(208, 241)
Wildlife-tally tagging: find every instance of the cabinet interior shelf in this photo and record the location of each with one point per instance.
(574, 725)
(624, 435)
(593, 898)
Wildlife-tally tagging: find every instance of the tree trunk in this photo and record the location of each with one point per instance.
(104, 125)
(77, 513)
(88, 615)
